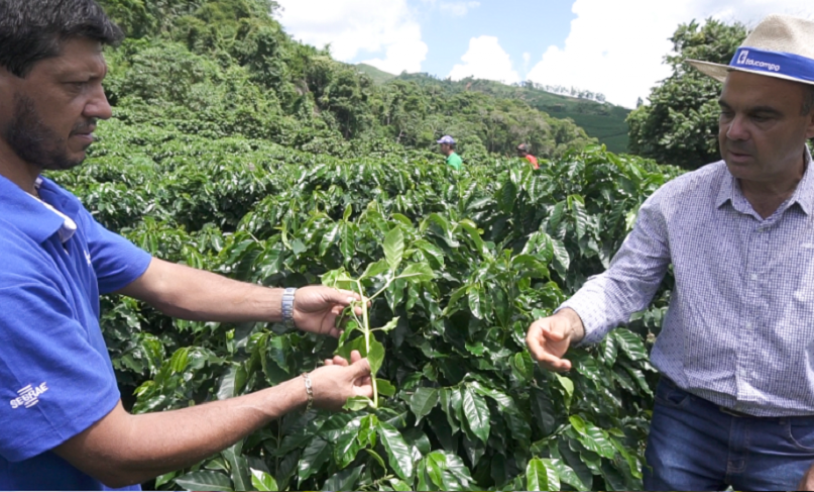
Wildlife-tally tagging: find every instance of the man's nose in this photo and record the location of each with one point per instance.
(97, 106)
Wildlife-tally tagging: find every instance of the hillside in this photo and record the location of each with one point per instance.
(605, 122)
(378, 76)
(223, 68)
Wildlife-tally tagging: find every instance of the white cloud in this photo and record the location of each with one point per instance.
(457, 9)
(486, 59)
(386, 31)
(617, 48)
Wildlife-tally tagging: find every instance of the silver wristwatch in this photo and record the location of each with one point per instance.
(288, 307)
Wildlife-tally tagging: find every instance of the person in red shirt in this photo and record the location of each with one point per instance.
(523, 151)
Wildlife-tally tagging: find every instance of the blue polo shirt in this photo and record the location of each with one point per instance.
(56, 378)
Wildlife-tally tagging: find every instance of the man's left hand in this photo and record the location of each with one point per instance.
(317, 307)
(807, 483)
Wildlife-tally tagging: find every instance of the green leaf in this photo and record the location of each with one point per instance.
(263, 482)
(566, 384)
(238, 465)
(423, 401)
(314, 456)
(400, 485)
(418, 272)
(179, 360)
(376, 355)
(394, 248)
(367, 431)
(391, 325)
(477, 414)
(329, 238)
(357, 403)
(523, 366)
(541, 475)
(205, 480)
(562, 260)
(398, 452)
(568, 475)
(344, 480)
(375, 269)
(631, 344)
(592, 437)
(385, 387)
(226, 389)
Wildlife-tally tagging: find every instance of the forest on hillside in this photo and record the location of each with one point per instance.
(227, 67)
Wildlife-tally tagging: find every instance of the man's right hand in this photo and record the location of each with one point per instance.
(337, 381)
(548, 339)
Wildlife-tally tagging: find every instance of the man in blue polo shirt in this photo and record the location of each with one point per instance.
(63, 424)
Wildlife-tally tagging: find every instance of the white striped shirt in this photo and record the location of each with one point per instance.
(740, 328)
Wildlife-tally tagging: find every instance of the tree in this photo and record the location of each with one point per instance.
(679, 126)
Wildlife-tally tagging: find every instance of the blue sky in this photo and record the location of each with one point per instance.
(522, 26)
(613, 47)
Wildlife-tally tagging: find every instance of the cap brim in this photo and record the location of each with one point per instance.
(714, 70)
(718, 71)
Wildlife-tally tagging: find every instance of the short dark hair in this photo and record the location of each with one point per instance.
(33, 30)
(808, 100)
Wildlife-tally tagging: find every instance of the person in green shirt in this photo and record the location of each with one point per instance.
(448, 149)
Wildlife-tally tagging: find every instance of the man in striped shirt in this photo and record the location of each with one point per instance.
(736, 403)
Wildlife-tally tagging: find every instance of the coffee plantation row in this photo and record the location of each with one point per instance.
(461, 404)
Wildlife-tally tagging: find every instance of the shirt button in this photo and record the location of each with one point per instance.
(749, 326)
(754, 276)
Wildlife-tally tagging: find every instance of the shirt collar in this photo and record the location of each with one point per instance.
(36, 218)
(803, 195)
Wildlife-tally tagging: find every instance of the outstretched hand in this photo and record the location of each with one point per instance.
(549, 338)
(317, 307)
(337, 381)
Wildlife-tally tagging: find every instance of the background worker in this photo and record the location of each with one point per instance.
(62, 423)
(523, 151)
(448, 149)
(735, 406)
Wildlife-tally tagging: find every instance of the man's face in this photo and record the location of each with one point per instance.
(445, 149)
(761, 132)
(47, 119)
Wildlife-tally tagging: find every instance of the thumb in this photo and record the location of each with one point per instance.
(556, 332)
(360, 368)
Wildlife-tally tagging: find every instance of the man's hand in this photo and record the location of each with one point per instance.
(548, 339)
(317, 307)
(337, 381)
(807, 483)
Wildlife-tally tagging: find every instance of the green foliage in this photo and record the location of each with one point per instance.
(464, 262)
(602, 121)
(222, 68)
(680, 124)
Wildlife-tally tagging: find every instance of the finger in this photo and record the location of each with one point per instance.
(340, 361)
(361, 369)
(553, 363)
(345, 297)
(355, 356)
(364, 390)
(329, 362)
(535, 341)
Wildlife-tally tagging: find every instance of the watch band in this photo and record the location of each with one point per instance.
(288, 307)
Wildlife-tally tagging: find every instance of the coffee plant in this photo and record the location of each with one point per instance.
(456, 264)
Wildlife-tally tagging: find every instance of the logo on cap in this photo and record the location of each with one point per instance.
(743, 57)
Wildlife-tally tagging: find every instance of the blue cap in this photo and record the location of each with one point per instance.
(446, 139)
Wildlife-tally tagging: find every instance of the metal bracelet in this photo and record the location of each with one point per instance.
(309, 390)
(288, 307)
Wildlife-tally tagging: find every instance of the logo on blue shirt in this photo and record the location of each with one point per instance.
(29, 396)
